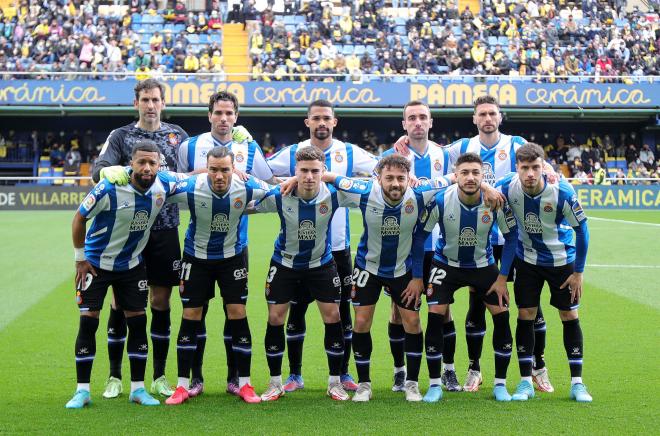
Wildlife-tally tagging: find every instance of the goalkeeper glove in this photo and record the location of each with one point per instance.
(240, 134)
(117, 175)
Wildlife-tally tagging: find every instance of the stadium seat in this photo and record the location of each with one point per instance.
(203, 38)
(289, 20)
(492, 40)
(136, 18)
(348, 49)
(503, 40)
(359, 50)
(193, 38)
(300, 19)
(58, 172)
(215, 37)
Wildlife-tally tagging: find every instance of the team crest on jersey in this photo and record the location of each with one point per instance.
(323, 208)
(532, 223)
(502, 155)
(409, 207)
(159, 200)
(437, 165)
(239, 157)
(140, 221)
(173, 139)
(548, 208)
(390, 227)
(489, 175)
(78, 298)
(467, 238)
(429, 290)
(238, 203)
(306, 231)
(89, 202)
(345, 184)
(486, 218)
(220, 223)
(267, 290)
(338, 157)
(353, 292)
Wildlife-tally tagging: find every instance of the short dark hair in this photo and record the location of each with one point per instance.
(320, 103)
(468, 158)
(148, 84)
(223, 96)
(219, 152)
(393, 161)
(485, 99)
(529, 153)
(145, 145)
(310, 153)
(415, 103)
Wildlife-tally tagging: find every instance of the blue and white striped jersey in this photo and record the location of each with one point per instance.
(430, 166)
(498, 161)
(546, 223)
(465, 230)
(213, 232)
(122, 218)
(304, 240)
(248, 158)
(341, 158)
(385, 247)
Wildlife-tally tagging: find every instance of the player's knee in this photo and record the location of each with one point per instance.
(236, 311)
(276, 315)
(362, 322)
(193, 313)
(395, 316)
(527, 313)
(568, 315)
(439, 309)
(496, 310)
(91, 313)
(132, 313)
(159, 297)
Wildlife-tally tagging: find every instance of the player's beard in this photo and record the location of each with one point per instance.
(469, 189)
(322, 134)
(143, 182)
(394, 191)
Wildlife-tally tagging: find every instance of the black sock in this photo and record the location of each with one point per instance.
(85, 347)
(414, 347)
(116, 339)
(434, 344)
(502, 343)
(274, 344)
(539, 340)
(241, 345)
(198, 359)
(160, 339)
(525, 346)
(226, 337)
(397, 343)
(137, 346)
(449, 342)
(347, 327)
(334, 347)
(475, 329)
(574, 346)
(295, 336)
(362, 347)
(186, 344)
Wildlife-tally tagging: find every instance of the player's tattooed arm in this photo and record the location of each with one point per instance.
(83, 267)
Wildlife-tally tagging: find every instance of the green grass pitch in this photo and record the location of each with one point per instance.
(620, 316)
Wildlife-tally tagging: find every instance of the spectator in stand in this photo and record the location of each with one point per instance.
(631, 154)
(647, 157)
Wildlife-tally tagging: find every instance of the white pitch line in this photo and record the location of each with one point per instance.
(609, 220)
(597, 265)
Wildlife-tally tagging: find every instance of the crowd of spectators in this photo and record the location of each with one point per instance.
(346, 40)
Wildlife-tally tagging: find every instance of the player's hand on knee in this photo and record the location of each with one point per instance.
(574, 284)
(116, 174)
(83, 268)
(242, 175)
(401, 145)
(240, 134)
(500, 288)
(413, 292)
(288, 186)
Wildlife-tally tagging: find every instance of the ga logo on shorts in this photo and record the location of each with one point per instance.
(142, 285)
(339, 157)
(323, 209)
(238, 203)
(239, 157)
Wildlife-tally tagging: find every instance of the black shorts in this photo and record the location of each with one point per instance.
(367, 287)
(529, 283)
(162, 257)
(428, 260)
(199, 276)
(444, 280)
(497, 254)
(344, 270)
(284, 284)
(130, 288)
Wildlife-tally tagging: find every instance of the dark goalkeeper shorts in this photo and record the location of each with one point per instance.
(162, 257)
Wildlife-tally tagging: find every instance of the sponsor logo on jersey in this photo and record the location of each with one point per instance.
(502, 155)
(437, 165)
(489, 174)
(238, 203)
(486, 218)
(140, 221)
(346, 184)
(548, 208)
(467, 238)
(348, 280)
(89, 202)
(323, 208)
(220, 223)
(532, 223)
(338, 157)
(306, 231)
(409, 207)
(173, 139)
(239, 157)
(390, 227)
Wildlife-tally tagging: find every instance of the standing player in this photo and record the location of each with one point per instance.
(428, 162)
(214, 251)
(110, 255)
(390, 213)
(545, 252)
(464, 257)
(347, 160)
(303, 259)
(162, 254)
(248, 158)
